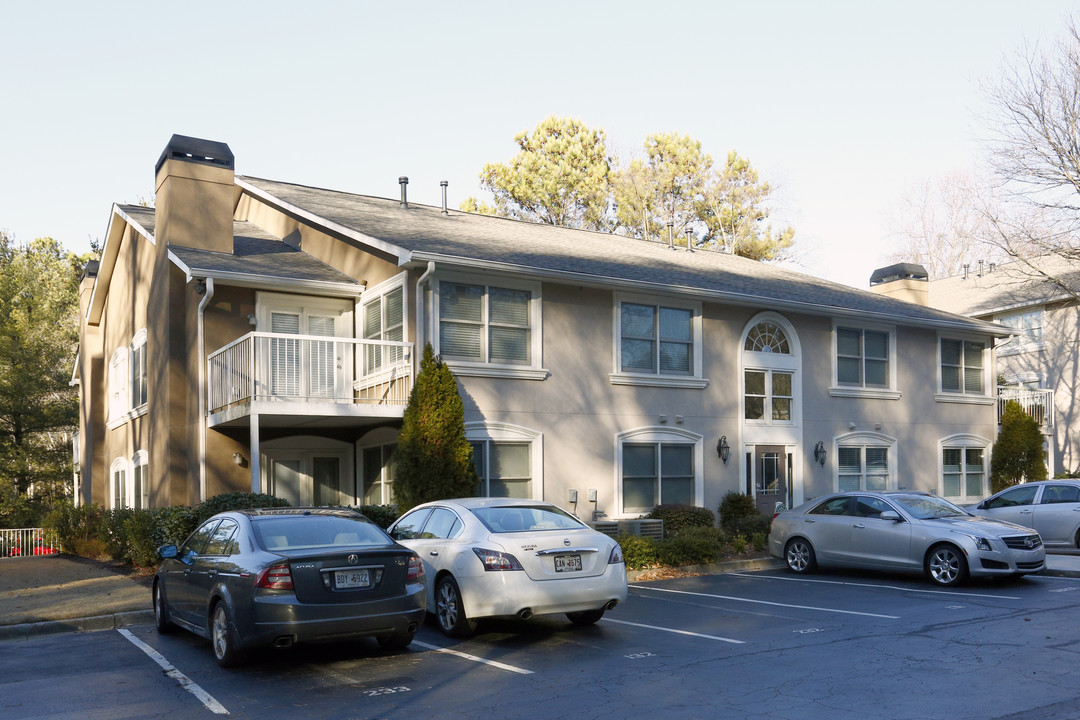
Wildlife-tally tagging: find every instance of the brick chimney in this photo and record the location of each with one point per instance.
(195, 191)
(903, 281)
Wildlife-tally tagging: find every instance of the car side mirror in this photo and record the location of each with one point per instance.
(981, 506)
(890, 515)
(166, 552)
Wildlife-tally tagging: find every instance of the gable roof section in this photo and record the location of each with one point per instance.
(1008, 287)
(421, 233)
(258, 260)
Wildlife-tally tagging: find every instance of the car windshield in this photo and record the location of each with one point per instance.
(302, 532)
(927, 507)
(527, 518)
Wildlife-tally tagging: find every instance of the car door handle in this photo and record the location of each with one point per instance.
(859, 525)
(808, 520)
(434, 553)
(1025, 512)
(212, 572)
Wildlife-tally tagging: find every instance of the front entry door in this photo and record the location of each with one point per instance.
(310, 479)
(770, 478)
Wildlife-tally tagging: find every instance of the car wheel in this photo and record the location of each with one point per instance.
(1077, 543)
(450, 611)
(585, 617)
(223, 637)
(945, 565)
(395, 642)
(799, 555)
(161, 611)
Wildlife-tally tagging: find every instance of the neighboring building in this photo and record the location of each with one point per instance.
(1038, 363)
(256, 335)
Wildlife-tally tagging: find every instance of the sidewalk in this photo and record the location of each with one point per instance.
(64, 593)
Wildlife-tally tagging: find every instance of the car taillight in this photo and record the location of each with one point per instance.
(416, 569)
(495, 560)
(616, 555)
(276, 577)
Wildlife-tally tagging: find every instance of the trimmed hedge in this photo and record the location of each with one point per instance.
(677, 517)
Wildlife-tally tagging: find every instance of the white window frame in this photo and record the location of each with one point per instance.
(863, 440)
(378, 293)
(963, 442)
(889, 392)
(120, 465)
(119, 387)
(1029, 337)
(694, 380)
(767, 419)
(658, 436)
(378, 438)
(138, 349)
(989, 393)
(534, 370)
(497, 432)
(140, 461)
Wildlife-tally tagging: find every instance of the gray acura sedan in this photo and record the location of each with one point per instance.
(904, 531)
(274, 577)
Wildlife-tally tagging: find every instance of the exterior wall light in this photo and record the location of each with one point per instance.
(819, 453)
(723, 449)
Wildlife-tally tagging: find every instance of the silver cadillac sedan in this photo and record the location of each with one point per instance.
(903, 531)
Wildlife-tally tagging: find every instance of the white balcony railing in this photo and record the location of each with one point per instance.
(1037, 403)
(308, 368)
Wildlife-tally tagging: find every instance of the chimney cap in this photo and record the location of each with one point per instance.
(196, 150)
(899, 271)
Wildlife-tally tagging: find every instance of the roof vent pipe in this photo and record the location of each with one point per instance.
(980, 268)
(443, 184)
(403, 181)
(689, 240)
(966, 266)
(671, 236)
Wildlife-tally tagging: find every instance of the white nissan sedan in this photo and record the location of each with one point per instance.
(490, 557)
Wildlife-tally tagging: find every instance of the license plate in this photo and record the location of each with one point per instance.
(567, 563)
(345, 579)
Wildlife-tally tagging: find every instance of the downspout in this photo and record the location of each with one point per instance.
(202, 390)
(420, 325)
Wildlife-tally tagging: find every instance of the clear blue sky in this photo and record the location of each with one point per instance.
(844, 105)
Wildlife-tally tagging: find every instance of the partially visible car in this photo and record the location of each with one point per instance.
(275, 577)
(1050, 507)
(903, 531)
(490, 557)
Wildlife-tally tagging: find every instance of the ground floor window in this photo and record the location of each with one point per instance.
(121, 497)
(963, 472)
(141, 481)
(379, 474)
(504, 468)
(862, 467)
(656, 473)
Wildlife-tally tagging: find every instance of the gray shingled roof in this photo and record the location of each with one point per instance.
(423, 233)
(255, 252)
(1011, 286)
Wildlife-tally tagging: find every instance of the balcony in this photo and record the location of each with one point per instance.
(302, 378)
(1037, 403)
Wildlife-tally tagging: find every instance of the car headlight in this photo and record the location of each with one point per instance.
(980, 542)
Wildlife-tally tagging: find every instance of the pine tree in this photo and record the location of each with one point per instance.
(1018, 452)
(433, 460)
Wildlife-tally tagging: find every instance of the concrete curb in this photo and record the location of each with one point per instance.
(24, 631)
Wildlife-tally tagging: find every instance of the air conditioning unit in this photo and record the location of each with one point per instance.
(608, 527)
(643, 527)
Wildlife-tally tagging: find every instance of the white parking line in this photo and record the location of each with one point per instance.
(474, 658)
(679, 632)
(881, 587)
(185, 682)
(766, 602)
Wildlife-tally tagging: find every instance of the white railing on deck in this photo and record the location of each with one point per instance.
(1037, 403)
(25, 542)
(309, 368)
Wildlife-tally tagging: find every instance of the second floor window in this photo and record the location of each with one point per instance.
(1028, 327)
(962, 367)
(656, 339)
(768, 396)
(485, 323)
(862, 357)
(138, 370)
(384, 319)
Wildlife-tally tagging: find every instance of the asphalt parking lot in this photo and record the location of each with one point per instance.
(762, 644)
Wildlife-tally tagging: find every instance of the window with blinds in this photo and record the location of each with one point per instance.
(485, 323)
(656, 339)
(962, 366)
(384, 319)
(862, 468)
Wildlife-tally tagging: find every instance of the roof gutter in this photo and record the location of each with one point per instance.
(732, 298)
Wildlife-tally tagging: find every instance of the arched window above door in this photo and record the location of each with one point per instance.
(767, 337)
